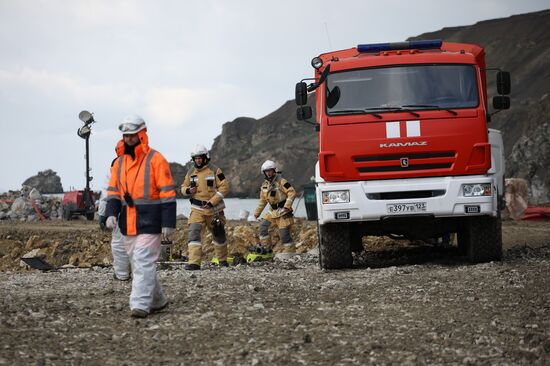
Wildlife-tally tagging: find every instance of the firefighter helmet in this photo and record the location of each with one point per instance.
(201, 151)
(268, 164)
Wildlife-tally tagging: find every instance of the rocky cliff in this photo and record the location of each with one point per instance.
(246, 143)
(519, 44)
(178, 174)
(46, 181)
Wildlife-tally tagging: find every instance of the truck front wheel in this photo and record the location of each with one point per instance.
(334, 246)
(480, 238)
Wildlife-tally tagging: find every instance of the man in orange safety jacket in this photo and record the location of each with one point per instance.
(141, 194)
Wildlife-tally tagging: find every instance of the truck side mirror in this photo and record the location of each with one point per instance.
(324, 75)
(504, 85)
(501, 102)
(301, 93)
(304, 113)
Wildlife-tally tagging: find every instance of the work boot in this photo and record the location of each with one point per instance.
(216, 262)
(192, 267)
(220, 252)
(121, 279)
(156, 309)
(138, 313)
(289, 248)
(195, 255)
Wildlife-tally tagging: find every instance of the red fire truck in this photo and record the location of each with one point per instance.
(404, 147)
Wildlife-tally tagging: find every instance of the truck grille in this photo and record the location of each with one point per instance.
(395, 163)
(406, 194)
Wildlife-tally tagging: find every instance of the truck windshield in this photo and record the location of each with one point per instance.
(415, 87)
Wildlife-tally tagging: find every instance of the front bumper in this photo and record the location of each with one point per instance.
(369, 202)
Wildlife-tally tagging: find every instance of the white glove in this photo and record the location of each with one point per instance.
(111, 222)
(167, 231)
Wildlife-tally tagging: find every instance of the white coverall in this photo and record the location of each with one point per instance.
(121, 261)
(144, 251)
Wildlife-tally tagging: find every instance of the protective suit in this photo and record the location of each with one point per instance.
(121, 261)
(142, 195)
(210, 186)
(279, 194)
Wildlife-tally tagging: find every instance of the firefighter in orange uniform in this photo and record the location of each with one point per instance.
(141, 194)
(207, 186)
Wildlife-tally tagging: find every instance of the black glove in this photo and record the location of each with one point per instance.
(103, 222)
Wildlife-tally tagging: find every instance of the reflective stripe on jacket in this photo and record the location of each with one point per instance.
(277, 194)
(148, 180)
(211, 187)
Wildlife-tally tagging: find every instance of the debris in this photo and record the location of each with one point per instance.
(29, 204)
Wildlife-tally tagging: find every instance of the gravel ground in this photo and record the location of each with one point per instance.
(402, 306)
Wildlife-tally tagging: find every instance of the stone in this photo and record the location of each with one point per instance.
(74, 260)
(4, 206)
(34, 194)
(46, 181)
(32, 242)
(19, 206)
(35, 253)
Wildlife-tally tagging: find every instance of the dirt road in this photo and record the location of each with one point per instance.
(401, 305)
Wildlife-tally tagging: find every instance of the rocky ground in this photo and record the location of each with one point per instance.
(401, 304)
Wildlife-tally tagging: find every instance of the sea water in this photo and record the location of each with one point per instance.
(233, 207)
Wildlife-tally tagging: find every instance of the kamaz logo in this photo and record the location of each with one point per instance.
(405, 144)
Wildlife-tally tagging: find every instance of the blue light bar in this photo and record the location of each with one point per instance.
(417, 45)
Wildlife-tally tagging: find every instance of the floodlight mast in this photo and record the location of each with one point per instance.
(84, 132)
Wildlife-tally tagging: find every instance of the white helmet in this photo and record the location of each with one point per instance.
(268, 164)
(199, 150)
(132, 124)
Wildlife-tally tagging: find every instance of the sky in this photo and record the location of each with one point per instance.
(187, 67)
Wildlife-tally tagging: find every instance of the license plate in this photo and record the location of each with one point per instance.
(398, 208)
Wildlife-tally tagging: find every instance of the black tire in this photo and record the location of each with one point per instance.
(90, 216)
(480, 238)
(334, 246)
(356, 240)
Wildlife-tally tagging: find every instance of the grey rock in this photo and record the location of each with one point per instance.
(46, 181)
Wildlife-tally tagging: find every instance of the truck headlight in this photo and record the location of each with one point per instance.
(336, 197)
(476, 190)
(317, 62)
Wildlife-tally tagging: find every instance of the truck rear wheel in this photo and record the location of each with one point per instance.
(480, 238)
(334, 246)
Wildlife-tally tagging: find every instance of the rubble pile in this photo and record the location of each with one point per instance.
(29, 204)
(82, 243)
(242, 234)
